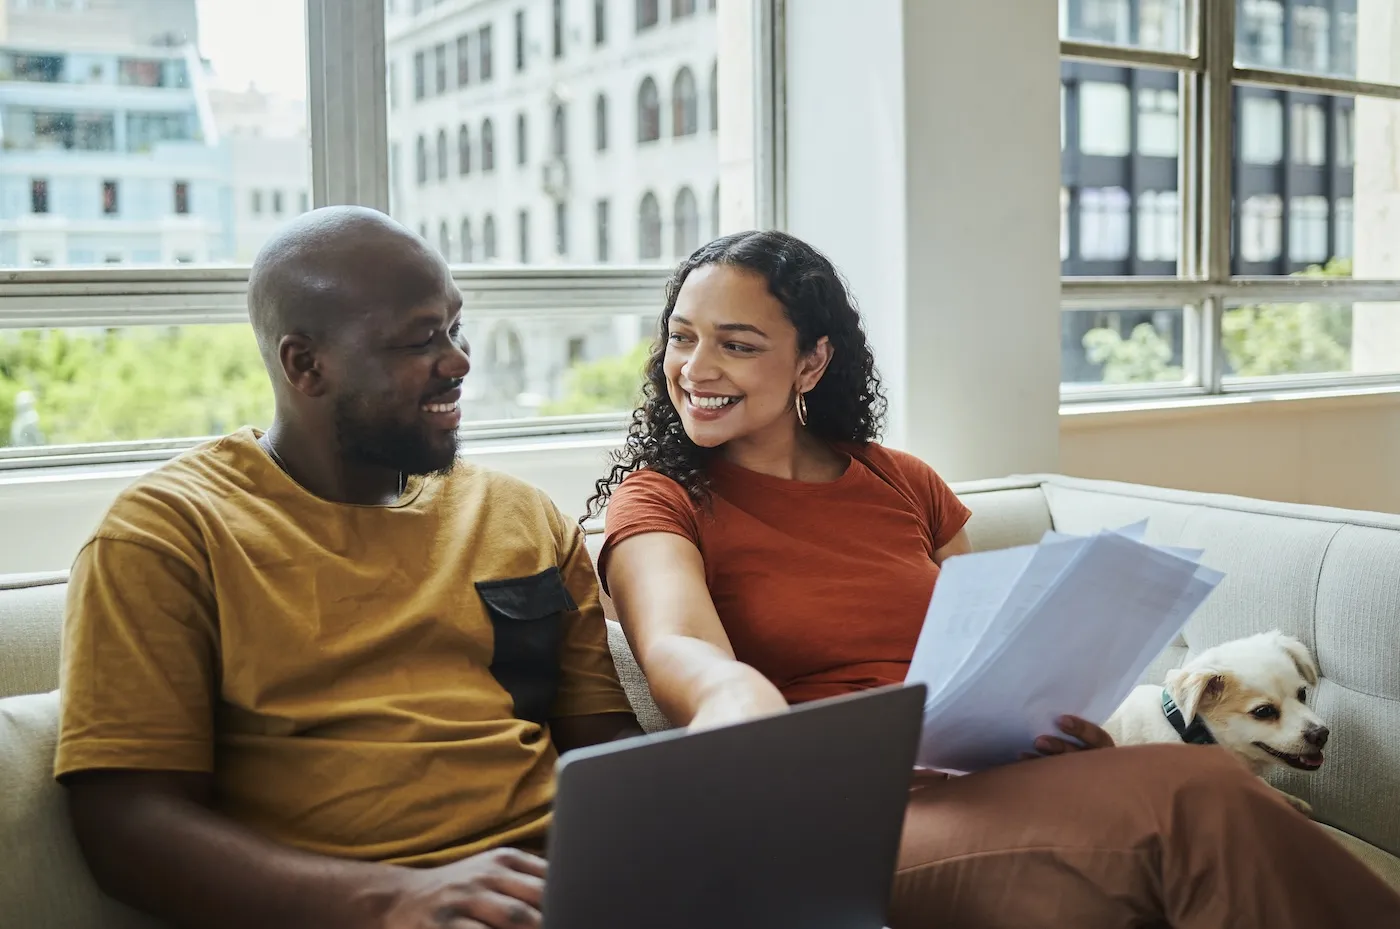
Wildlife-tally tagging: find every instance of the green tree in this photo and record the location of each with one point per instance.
(135, 383)
(608, 385)
(1259, 340)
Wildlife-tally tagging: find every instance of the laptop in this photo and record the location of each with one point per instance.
(786, 822)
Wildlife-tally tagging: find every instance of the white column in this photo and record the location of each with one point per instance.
(1376, 198)
(920, 158)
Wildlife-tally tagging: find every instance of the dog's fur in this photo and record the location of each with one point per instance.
(1227, 688)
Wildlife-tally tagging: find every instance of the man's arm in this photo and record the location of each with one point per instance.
(152, 842)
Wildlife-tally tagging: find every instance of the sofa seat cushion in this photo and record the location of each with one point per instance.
(44, 881)
(1379, 860)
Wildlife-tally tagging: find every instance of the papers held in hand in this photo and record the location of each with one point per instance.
(1015, 639)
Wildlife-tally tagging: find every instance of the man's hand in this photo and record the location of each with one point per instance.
(1089, 737)
(501, 889)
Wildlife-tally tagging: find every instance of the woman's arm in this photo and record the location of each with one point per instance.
(657, 583)
(959, 545)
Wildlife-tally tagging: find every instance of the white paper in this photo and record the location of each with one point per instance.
(1014, 639)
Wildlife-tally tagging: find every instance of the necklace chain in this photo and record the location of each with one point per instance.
(266, 443)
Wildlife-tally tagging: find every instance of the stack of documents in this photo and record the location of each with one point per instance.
(1015, 639)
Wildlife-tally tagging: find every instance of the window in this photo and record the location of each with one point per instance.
(1309, 135)
(1159, 232)
(559, 133)
(488, 147)
(1261, 131)
(464, 150)
(1259, 34)
(1157, 123)
(685, 108)
(422, 162)
(488, 238)
(519, 41)
(714, 207)
(522, 139)
(649, 228)
(648, 13)
(714, 97)
(420, 75)
(464, 60)
(393, 78)
(255, 203)
(687, 222)
(1308, 222)
(38, 196)
(1309, 49)
(277, 204)
(1261, 228)
(558, 30)
(1103, 119)
(466, 241)
(444, 241)
(648, 112)
(522, 225)
(1345, 228)
(440, 69)
(600, 218)
(110, 204)
(600, 123)
(561, 228)
(600, 22)
(483, 51)
(1103, 224)
(442, 155)
(304, 202)
(1346, 138)
(1065, 200)
(680, 9)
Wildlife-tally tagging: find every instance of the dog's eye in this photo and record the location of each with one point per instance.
(1302, 695)
(1267, 711)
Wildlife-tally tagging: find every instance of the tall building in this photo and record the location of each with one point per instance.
(108, 148)
(1293, 170)
(549, 132)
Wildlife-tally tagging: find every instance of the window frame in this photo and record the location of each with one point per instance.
(347, 108)
(1205, 283)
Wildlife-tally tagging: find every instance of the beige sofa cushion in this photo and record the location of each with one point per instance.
(44, 881)
(31, 609)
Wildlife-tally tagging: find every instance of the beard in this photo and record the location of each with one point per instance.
(409, 448)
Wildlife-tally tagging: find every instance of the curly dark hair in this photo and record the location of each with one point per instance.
(846, 406)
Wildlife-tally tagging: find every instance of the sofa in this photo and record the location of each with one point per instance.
(1329, 577)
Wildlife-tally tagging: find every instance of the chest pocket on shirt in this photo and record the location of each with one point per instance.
(527, 616)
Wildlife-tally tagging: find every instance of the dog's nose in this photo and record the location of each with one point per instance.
(1316, 735)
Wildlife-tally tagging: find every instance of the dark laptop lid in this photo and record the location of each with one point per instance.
(787, 822)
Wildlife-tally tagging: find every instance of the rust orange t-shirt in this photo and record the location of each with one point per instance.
(821, 587)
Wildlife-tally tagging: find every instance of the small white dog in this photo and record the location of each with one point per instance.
(1249, 696)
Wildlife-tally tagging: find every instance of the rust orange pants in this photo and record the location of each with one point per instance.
(1177, 836)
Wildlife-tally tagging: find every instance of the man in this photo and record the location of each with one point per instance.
(320, 676)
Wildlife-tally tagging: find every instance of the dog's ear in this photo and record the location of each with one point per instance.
(1195, 691)
(1302, 658)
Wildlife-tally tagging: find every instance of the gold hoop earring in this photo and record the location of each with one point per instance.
(802, 408)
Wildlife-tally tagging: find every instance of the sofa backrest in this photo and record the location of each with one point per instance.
(1329, 577)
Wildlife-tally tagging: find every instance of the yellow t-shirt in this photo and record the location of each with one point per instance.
(367, 682)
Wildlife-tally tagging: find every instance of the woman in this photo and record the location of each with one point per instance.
(763, 550)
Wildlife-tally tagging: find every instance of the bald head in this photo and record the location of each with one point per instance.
(330, 269)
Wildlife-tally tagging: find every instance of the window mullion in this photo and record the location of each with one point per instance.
(1218, 53)
(348, 106)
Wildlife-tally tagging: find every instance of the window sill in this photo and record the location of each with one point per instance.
(1092, 415)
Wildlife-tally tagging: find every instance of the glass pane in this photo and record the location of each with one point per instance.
(1337, 38)
(518, 139)
(1123, 347)
(1120, 211)
(1316, 178)
(76, 386)
(1311, 338)
(1150, 24)
(120, 145)
(568, 365)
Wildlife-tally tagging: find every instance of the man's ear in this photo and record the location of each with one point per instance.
(300, 364)
(813, 365)
(1195, 691)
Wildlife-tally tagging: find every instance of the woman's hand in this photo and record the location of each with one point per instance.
(1089, 736)
(747, 699)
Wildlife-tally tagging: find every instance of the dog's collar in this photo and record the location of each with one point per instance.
(1194, 733)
